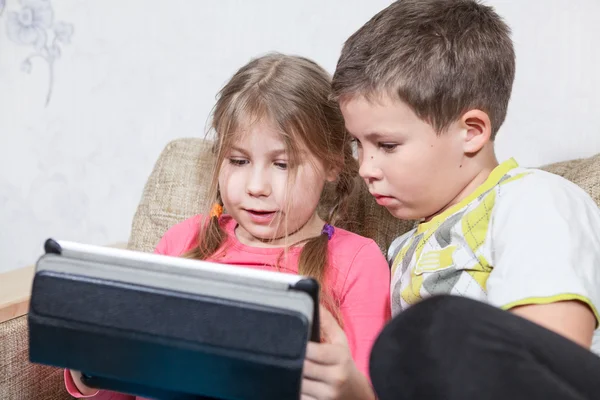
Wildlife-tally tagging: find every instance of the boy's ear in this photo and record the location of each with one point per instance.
(478, 128)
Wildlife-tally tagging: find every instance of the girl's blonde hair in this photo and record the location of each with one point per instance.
(292, 93)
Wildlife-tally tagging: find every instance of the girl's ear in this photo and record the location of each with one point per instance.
(332, 173)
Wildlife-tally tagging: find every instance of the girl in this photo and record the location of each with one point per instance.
(279, 141)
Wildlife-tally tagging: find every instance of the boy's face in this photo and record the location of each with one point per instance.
(410, 169)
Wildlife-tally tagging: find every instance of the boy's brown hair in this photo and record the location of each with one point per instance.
(441, 57)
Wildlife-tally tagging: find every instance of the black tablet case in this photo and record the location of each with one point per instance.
(166, 344)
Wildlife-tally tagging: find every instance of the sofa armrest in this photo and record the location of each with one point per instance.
(15, 290)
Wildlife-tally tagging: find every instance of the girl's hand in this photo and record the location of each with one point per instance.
(329, 371)
(83, 389)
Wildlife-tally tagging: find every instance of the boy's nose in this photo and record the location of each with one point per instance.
(368, 169)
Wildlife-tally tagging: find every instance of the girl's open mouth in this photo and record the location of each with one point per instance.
(260, 215)
(260, 212)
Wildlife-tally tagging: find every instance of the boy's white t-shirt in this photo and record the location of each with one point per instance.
(525, 236)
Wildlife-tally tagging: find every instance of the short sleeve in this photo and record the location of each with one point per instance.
(365, 306)
(545, 244)
(179, 238)
(163, 245)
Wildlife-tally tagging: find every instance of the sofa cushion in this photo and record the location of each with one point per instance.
(175, 190)
(178, 185)
(20, 379)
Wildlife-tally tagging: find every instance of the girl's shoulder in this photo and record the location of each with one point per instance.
(183, 236)
(350, 244)
(180, 237)
(357, 261)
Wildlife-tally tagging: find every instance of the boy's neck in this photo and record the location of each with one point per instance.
(480, 167)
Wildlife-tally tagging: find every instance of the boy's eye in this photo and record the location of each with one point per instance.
(388, 146)
(238, 162)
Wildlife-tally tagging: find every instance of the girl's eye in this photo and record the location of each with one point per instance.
(238, 162)
(388, 146)
(281, 165)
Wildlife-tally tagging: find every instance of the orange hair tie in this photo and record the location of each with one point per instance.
(216, 210)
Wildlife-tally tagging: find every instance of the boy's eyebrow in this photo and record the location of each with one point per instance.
(374, 136)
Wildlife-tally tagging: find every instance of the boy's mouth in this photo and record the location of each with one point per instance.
(377, 195)
(383, 200)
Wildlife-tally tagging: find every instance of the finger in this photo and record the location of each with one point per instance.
(315, 372)
(330, 328)
(325, 353)
(315, 390)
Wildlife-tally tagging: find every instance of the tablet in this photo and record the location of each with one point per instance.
(171, 328)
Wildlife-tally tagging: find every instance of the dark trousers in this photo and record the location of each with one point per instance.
(454, 348)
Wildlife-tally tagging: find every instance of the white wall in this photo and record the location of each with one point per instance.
(139, 73)
(554, 113)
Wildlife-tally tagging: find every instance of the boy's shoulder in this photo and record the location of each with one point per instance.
(521, 198)
(537, 192)
(543, 207)
(524, 181)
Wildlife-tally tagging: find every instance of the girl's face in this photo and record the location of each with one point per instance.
(267, 200)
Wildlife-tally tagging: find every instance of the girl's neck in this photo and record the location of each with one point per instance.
(310, 229)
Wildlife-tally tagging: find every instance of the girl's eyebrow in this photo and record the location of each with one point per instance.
(272, 153)
(277, 152)
(239, 150)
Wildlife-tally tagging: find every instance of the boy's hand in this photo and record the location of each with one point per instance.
(329, 371)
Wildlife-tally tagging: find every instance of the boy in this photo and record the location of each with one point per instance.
(424, 87)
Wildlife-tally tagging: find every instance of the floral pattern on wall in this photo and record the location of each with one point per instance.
(33, 24)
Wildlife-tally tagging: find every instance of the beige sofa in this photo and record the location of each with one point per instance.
(175, 190)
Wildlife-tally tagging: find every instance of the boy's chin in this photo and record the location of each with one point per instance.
(404, 214)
